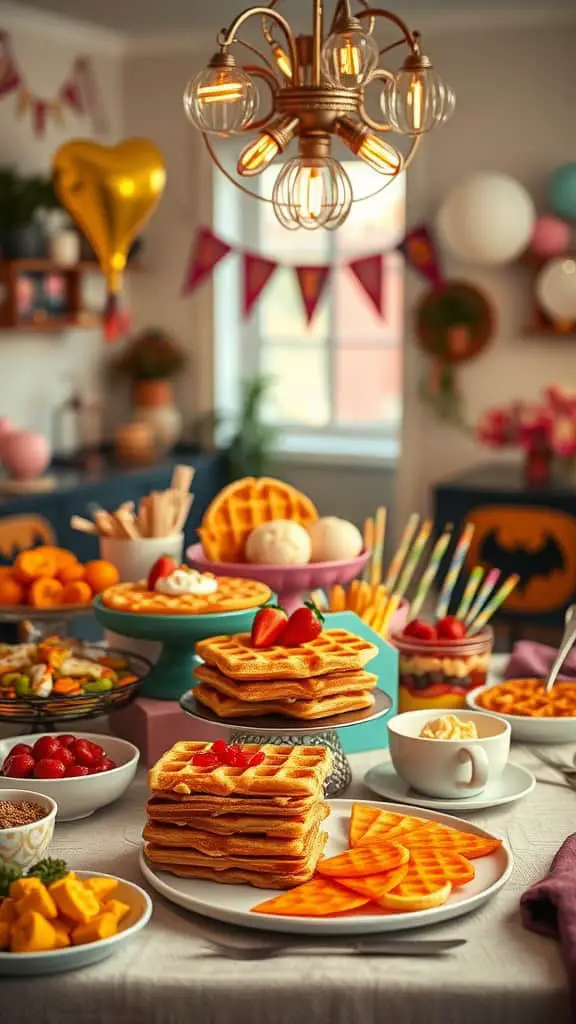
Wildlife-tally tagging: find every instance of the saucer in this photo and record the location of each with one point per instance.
(514, 783)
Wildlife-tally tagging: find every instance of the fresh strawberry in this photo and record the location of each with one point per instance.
(162, 567)
(304, 624)
(420, 630)
(269, 623)
(450, 628)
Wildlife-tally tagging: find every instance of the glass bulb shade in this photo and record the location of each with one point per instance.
(311, 193)
(415, 101)
(349, 58)
(282, 61)
(381, 156)
(221, 101)
(256, 157)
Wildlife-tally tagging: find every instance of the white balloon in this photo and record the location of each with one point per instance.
(556, 289)
(487, 220)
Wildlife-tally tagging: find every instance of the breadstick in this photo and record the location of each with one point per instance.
(183, 513)
(182, 478)
(83, 525)
(127, 522)
(144, 517)
(107, 525)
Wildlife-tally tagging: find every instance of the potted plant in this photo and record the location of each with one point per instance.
(250, 449)
(22, 201)
(150, 362)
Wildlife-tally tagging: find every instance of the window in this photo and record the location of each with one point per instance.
(336, 384)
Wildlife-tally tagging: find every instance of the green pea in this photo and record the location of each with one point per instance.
(97, 686)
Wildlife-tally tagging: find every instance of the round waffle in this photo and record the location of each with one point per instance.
(528, 697)
(233, 595)
(241, 507)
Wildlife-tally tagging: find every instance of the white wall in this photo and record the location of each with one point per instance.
(36, 369)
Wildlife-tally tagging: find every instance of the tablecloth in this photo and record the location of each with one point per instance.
(504, 975)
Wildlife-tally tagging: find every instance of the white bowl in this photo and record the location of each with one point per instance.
(526, 729)
(79, 797)
(24, 845)
(56, 960)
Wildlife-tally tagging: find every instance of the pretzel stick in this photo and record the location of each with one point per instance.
(368, 536)
(106, 524)
(144, 517)
(182, 478)
(83, 525)
(378, 553)
(127, 522)
(184, 513)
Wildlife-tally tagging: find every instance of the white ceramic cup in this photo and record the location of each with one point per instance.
(450, 769)
(135, 558)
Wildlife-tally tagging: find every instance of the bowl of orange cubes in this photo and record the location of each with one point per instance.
(49, 579)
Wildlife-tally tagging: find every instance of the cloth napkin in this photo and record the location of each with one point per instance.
(549, 908)
(530, 660)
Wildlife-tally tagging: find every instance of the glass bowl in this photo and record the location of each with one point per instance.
(440, 673)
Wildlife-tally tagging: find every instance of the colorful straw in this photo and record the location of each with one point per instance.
(383, 624)
(471, 588)
(397, 561)
(454, 571)
(483, 594)
(492, 606)
(379, 537)
(413, 558)
(369, 545)
(430, 573)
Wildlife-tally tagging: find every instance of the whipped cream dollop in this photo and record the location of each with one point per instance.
(449, 728)
(186, 581)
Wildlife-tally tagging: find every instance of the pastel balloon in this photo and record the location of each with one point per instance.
(556, 289)
(551, 237)
(25, 454)
(562, 191)
(487, 220)
(110, 191)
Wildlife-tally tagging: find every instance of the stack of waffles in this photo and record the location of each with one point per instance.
(241, 507)
(255, 820)
(318, 679)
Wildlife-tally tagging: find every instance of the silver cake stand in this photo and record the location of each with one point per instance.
(279, 730)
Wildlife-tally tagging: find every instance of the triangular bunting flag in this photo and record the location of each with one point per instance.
(257, 273)
(420, 252)
(207, 252)
(368, 271)
(312, 282)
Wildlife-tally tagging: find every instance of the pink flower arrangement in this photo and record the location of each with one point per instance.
(547, 425)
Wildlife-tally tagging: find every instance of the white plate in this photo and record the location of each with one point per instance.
(514, 783)
(55, 961)
(233, 903)
(530, 730)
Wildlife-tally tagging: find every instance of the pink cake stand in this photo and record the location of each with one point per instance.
(290, 583)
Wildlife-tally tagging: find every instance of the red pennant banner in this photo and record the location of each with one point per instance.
(369, 272)
(312, 281)
(70, 93)
(207, 253)
(419, 250)
(9, 79)
(257, 273)
(39, 111)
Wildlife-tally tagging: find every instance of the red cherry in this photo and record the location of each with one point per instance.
(257, 759)
(106, 765)
(46, 747)
(235, 757)
(451, 628)
(219, 747)
(20, 766)
(206, 760)
(97, 752)
(21, 748)
(49, 768)
(420, 630)
(75, 770)
(66, 740)
(66, 756)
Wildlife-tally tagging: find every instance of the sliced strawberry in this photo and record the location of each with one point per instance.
(268, 625)
(304, 624)
(420, 630)
(450, 628)
(164, 566)
(206, 760)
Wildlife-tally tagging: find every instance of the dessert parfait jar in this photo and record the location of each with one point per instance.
(439, 673)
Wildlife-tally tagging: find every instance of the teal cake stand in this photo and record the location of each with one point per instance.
(171, 676)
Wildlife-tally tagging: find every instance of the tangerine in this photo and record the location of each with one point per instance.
(11, 592)
(34, 563)
(100, 575)
(45, 592)
(76, 592)
(70, 573)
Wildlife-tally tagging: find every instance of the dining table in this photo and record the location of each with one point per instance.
(170, 974)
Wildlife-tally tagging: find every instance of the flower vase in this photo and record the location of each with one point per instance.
(155, 406)
(538, 467)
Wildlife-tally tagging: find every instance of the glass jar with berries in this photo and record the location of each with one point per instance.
(439, 663)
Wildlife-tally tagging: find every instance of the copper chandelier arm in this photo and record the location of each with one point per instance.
(272, 82)
(372, 22)
(392, 46)
(376, 126)
(258, 53)
(380, 12)
(228, 36)
(230, 177)
(265, 27)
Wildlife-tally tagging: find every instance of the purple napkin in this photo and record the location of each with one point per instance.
(532, 660)
(549, 907)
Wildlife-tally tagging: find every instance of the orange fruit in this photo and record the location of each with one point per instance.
(62, 556)
(76, 592)
(70, 573)
(11, 592)
(32, 564)
(101, 575)
(45, 592)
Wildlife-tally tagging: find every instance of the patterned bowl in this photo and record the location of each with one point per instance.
(24, 845)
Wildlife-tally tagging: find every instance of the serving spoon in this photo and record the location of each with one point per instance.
(566, 645)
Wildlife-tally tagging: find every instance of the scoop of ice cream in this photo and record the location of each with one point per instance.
(334, 540)
(280, 542)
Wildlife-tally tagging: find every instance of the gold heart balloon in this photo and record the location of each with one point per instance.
(110, 191)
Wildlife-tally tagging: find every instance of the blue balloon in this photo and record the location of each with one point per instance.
(562, 191)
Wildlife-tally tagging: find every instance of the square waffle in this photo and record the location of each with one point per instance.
(334, 650)
(254, 846)
(286, 689)
(232, 595)
(285, 771)
(246, 823)
(302, 710)
(204, 805)
(245, 504)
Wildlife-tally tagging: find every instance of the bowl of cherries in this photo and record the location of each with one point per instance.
(80, 771)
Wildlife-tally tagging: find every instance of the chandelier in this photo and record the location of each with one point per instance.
(318, 87)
